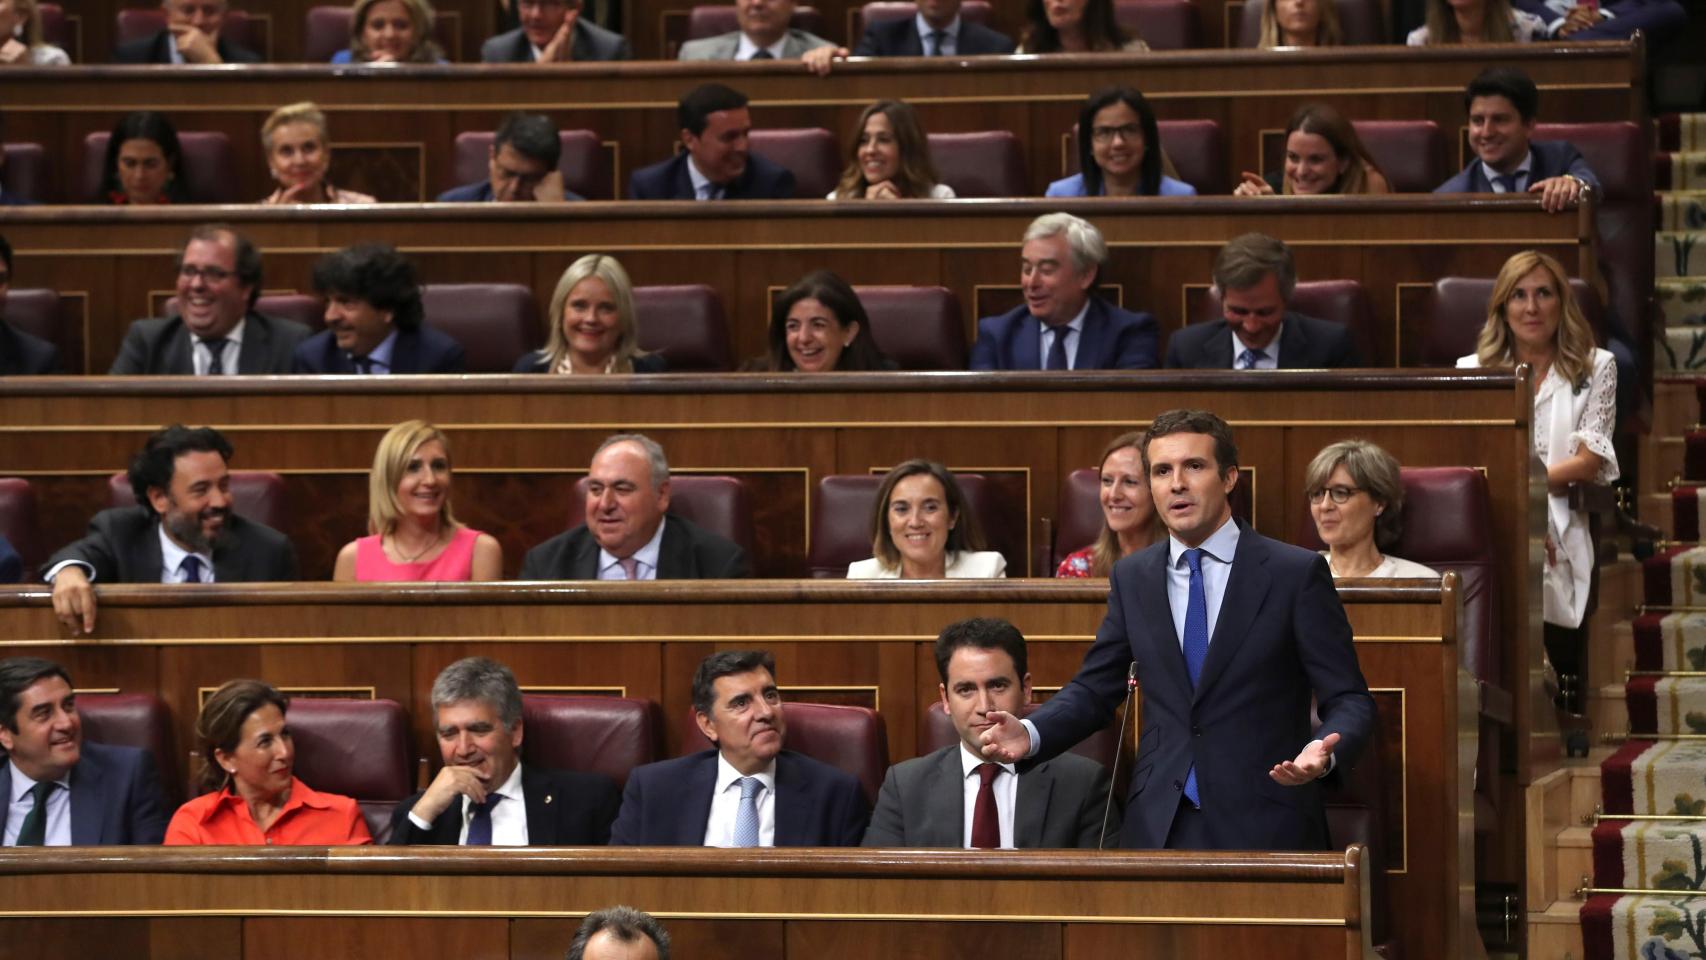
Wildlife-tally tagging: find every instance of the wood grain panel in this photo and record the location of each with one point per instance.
(282, 938)
(946, 941)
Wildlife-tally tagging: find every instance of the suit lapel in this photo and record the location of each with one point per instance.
(406, 353)
(6, 792)
(1027, 352)
(1035, 788)
(1089, 355)
(1166, 649)
(1294, 346)
(145, 559)
(584, 564)
(86, 795)
(180, 353)
(911, 45)
(256, 347)
(695, 810)
(944, 802)
(541, 800)
(683, 187)
(675, 560)
(229, 555)
(1217, 349)
(791, 802)
(1245, 591)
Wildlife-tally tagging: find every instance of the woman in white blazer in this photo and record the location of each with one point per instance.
(921, 529)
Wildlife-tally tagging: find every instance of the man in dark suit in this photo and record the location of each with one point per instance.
(1229, 634)
(55, 789)
(955, 798)
(747, 791)
(1063, 325)
(554, 31)
(629, 533)
(374, 318)
(937, 30)
(717, 164)
(191, 36)
(1255, 275)
(21, 354)
(182, 530)
(216, 331)
(11, 565)
(522, 166)
(1502, 103)
(484, 795)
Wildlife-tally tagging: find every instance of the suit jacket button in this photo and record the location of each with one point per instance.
(1196, 731)
(1178, 785)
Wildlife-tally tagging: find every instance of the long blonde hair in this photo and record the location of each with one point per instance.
(1328, 33)
(1105, 552)
(1495, 347)
(607, 269)
(390, 461)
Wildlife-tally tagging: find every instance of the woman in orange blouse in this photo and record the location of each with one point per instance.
(249, 795)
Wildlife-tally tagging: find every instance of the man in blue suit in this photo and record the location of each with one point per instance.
(1228, 634)
(374, 318)
(522, 166)
(747, 791)
(1062, 325)
(937, 30)
(1502, 103)
(716, 164)
(48, 766)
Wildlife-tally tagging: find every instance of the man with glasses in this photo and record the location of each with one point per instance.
(191, 36)
(522, 165)
(553, 31)
(215, 330)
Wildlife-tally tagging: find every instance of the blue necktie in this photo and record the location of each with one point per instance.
(191, 568)
(363, 364)
(937, 38)
(1506, 180)
(1057, 351)
(480, 827)
(1249, 358)
(1196, 646)
(746, 818)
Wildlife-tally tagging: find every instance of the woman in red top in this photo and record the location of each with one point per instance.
(250, 796)
(1129, 522)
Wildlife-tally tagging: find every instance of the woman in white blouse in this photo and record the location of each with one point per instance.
(922, 529)
(1357, 502)
(1476, 21)
(1533, 318)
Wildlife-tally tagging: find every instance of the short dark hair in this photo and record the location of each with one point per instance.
(982, 633)
(377, 273)
(725, 663)
(533, 135)
(626, 924)
(695, 109)
(157, 461)
(1507, 82)
(248, 255)
(833, 292)
(6, 254)
(1193, 421)
(220, 724)
(18, 674)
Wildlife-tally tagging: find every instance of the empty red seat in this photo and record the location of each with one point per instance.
(721, 505)
(137, 720)
(714, 21)
(591, 734)
(38, 311)
(255, 494)
(1410, 152)
(919, 328)
(494, 322)
(685, 324)
(584, 162)
(883, 11)
(987, 163)
(841, 522)
(25, 173)
(1163, 24)
(209, 167)
(810, 153)
(848, 738)
(18, 522)
(1359, 24)
(1456, 309)
(250, 33)
(1343, 302)
(355, 748)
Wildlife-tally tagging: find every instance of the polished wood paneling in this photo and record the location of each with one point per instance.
(283, 938)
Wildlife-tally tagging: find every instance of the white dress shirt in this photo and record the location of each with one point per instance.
(1218, 550)
(725, 805)
(229, 356)
(1073, 332)
(1521, 173)
(1269, 362)
(747, 48)
(20, 803)
(172, 560)
(1006, 787)
(950, 36)
(646, 560)
(509, 817)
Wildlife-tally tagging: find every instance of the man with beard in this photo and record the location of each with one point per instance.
(182, 530)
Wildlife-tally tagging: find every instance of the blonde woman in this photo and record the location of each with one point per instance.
(20, 37)
(299, 154)
(590, 326)
(1476, 21)
(1300, 23)
(391, 31)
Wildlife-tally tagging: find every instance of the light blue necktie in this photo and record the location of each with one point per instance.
(1196, 646)
(1506, 180)
(191, 568)
(746, 818)
(1249, 358)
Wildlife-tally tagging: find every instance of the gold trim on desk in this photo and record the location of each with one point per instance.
(548, 914)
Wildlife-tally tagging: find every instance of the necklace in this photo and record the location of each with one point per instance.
(398, 546)
(1378, 560)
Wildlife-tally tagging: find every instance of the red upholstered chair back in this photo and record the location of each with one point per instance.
(250, 33)
(919, 328)
(684, 323)
(1410, 152)
(18, 522)
(1455, 310)
(1195, 148)
(1163, 24)
(712, 21)
(841, 522)
(1079, 519)
(57, 30)
(326, 30)
(256, 495)
(495, 322)
(810, 152)
(883, 11)
(591, 734)
(25, 173)
(305, 309)
(988, 163)
(938, 731)
(355, 748)
(1359, 23)
(584, 162)
(845, 737)
(208, 161)
(135, 720)
(1343, 302)
(722, 505)
(36, 311)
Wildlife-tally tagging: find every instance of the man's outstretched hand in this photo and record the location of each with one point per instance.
(1309, 765)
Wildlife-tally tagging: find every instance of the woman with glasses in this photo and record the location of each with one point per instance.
(1357, 502)
(1119, 151)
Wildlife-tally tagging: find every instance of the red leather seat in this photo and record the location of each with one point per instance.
(1343, 302)
(326, 30)
(584, 162)
(810, 152)
(845, 737)
(305, 309)
(494, 322)
(841, 522)
(883, 11)
(919, 328)
(685, 323)
(1410, 152)
(209, 166)
(714, 21)
(1078, 520)
(25, 173)
(60, 32)
(1359, 25)
(355, 748)
(36, 311)
(1455, 310)
(988, 163)
(1195, 147)
(591, 734)
(250, 33)
(1163, 24)
(721, 505)
(255, 494)
(137, 720)
(18, 522)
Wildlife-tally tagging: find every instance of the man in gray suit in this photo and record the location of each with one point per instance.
(764, 34)
(552, 31)
(216, 330)
(953, 798)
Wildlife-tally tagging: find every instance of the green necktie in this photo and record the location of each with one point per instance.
(34, 831)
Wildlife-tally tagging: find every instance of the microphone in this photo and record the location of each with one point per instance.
(1119, 747)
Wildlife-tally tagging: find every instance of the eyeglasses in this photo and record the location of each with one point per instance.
(1339, 494)
(1131, 132)
(190, 271)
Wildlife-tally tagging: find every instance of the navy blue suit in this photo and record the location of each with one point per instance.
(762, 180)
(421, 350)
(1305, 343)
(899, 38)
(115, 797)
(1552, 158)
(668, 803)
(25, 353)
(482, 193)
(11, 565)
(1112, 339)
(157, 49)
(1281, 636)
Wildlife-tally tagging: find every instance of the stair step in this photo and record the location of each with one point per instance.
(1661, 459)
(1680, 171)
(1682, 210)
(1676, 407)
(1556, 932)
(1608, 712)
(1659, 510)
(1679, 253)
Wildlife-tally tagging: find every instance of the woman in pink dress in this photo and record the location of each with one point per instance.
(412, 535)
(1129, 522)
